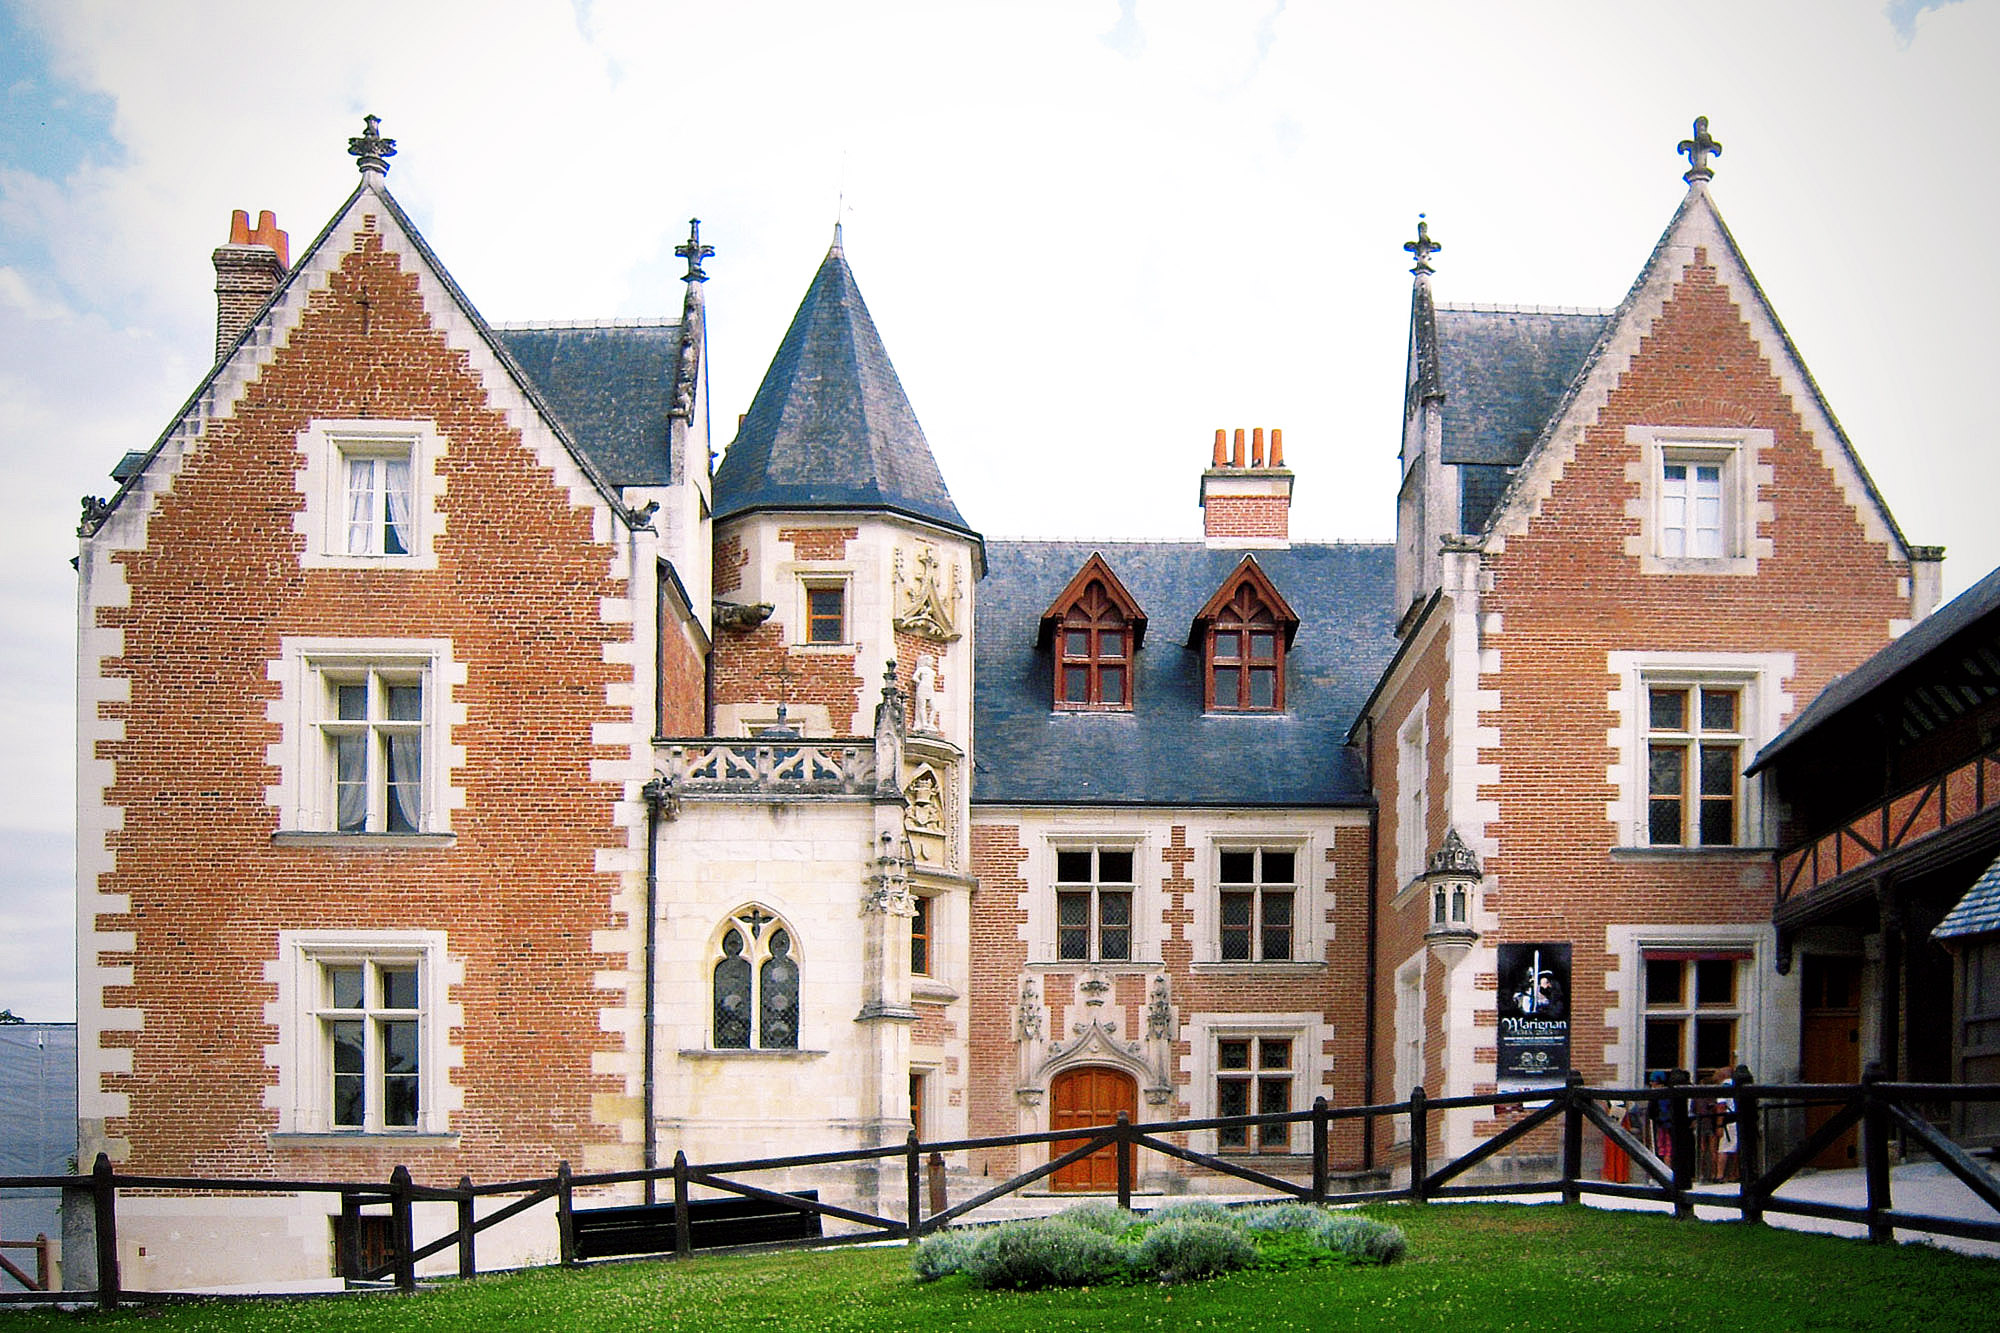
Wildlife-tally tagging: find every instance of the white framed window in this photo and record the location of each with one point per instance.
(1412, 797)
(366, 745)
(372, 727)
(1697, 505)
(381, 518)
(1695, 755)
(1686, 726)
(1694, 1011)
(1409, 1062)
(1257, 896)
(365, 1024)
(371, 490)
(1255, 1064)
(1094, 891)
(755, 987)
(1255, 1074)
(1700, 998)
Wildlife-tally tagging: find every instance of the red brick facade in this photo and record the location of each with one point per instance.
(517, 591)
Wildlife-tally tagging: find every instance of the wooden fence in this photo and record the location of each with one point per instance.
(1883, 1112)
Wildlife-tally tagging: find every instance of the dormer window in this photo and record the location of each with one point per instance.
(1243, 633)
(1094, 627)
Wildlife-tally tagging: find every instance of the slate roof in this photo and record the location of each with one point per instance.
(610, 385)
(1165, 751)
(1933, 633)
(1502, 372)
(830, 427)
(1978, 912)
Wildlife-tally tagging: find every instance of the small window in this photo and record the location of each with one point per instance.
(1253, 1076)
(826, 613)
(1694, 1013)
(756, 985)
(1693, 516)
(1095, 629)
(1094, 667)
(1257, 890)
(1243, 633)
(1695, 743)
(379, 509)
(920, 938)
(1094, 889)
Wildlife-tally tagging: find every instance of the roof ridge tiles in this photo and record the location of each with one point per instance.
(612, 322)
(1498, 308)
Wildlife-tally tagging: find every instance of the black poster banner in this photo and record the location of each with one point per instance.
(1534, 1016)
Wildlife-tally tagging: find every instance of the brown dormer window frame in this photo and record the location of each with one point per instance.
(1094, 627)
(1243, 633)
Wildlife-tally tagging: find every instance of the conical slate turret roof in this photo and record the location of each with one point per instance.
(830, 427)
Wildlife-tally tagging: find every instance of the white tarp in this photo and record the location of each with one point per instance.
(37, 1126)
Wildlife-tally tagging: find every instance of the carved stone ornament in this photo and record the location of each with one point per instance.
(1094, 989)
(925, 605)
(1028, 1017)
(95, 510)
(742, 616)
(923, 812)
(1159, 1013)
(890, 899)
(1453, 859)
(926, 712)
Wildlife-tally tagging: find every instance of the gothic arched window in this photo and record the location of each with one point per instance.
(756, 985)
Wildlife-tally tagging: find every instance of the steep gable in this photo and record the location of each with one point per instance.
(1697, 293)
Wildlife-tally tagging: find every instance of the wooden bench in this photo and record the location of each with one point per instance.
(648, 1228)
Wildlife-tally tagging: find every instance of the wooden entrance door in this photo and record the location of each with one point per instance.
(1079, 1098)
(1830, 1041)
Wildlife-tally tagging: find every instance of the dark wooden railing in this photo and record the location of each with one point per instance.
(39, 1280)
(1884, 1112)
(1909, 817)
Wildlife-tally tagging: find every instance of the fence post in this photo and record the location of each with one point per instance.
(935, 1167)
(1680, 1122)
(350, 1235)
(1875, 1153)
(565, 1217)
(1319, 1150)
(42, 1260)
(1572, 1160)
(104, 1206)
(468, 1265)
(1749, 1144)
(683, 1242)
(1420, 1132)
(402, 1228)
(1124, 1146)
(913, 1171)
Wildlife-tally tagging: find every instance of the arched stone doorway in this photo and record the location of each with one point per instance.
(1081, 1097)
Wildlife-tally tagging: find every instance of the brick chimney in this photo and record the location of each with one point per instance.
(1246, 499)
(247, 271)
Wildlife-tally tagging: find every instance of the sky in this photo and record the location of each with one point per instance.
(1091, 232)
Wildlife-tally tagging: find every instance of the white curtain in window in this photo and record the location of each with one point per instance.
(360, 505)
(405, 786)
(396, 484)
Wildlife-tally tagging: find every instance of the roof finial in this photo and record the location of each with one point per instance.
(1423, 247)
(694, 252)
(370, 148)
(1697, 151)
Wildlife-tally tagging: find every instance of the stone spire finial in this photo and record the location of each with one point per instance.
(1423, 247)
(371, 151)
(1697, 151)
(694, 252)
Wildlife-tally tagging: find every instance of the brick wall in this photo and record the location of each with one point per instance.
(517, 589)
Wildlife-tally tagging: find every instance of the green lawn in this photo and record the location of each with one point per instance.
(1471, 1267)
